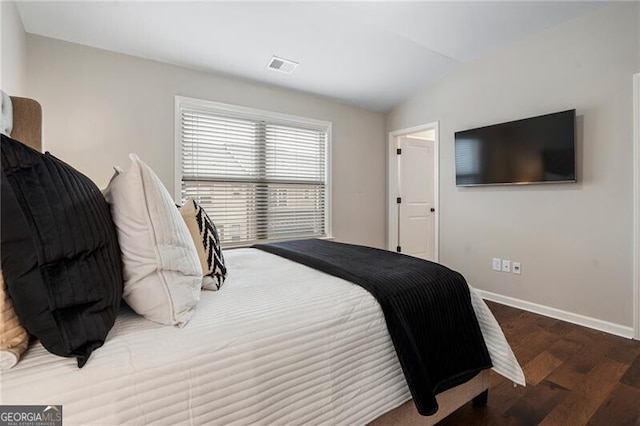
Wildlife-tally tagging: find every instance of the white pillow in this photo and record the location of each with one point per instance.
(162, 274)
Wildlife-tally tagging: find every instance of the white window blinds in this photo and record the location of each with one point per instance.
(259, 176)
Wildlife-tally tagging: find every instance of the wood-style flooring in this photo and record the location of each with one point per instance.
(575, 376)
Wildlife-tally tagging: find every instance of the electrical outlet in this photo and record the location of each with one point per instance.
(516, 268)
(496, 264)
(506, 266)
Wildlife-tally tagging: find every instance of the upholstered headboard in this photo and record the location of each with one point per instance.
(27, 122)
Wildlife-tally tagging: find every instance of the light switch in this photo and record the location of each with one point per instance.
(497, 264)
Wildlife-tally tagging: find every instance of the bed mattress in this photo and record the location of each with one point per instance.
(280, 343)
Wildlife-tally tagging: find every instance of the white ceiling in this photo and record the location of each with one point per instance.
(372, 55)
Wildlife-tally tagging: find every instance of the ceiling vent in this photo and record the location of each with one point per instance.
(282, 65)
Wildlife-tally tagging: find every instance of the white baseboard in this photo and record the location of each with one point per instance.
(607, 327)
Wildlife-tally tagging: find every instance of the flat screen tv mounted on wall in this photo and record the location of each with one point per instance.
(534, 150)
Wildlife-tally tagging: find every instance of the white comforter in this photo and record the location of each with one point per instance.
(279, 344)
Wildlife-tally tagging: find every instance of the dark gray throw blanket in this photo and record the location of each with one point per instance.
(427, 308)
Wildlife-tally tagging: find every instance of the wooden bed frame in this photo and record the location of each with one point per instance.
(27, 128)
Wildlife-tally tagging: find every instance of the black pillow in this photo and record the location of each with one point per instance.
(60, 254)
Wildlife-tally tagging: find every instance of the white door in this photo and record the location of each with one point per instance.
(416, 210)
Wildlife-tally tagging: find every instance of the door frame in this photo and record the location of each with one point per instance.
(636, 204)
(392, 184)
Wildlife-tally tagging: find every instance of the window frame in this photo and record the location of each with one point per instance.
(252, 113)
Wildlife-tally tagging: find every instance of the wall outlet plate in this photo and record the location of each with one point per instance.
(496, 264)
(516, 268)
(506, 266)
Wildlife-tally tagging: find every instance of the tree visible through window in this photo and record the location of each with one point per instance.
(260, 176)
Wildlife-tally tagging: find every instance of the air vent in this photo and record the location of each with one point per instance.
(282, 65)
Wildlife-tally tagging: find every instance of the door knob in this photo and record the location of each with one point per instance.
(432, 210)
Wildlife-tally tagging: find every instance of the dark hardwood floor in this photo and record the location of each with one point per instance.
(575, 376)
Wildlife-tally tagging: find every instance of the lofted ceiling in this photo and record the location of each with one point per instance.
(369, 54)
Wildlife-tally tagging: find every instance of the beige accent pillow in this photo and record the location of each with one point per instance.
(207, 241)
(13, 338)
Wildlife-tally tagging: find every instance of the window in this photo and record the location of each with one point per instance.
(261, 176)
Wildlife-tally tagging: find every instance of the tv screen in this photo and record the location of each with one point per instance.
(534, 150)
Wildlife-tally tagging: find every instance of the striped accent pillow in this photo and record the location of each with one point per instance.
(205, 236)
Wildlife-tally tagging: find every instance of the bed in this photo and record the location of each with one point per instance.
(282, 343)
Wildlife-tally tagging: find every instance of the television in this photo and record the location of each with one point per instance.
(533, 150)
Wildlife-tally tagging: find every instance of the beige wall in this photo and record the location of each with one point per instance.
(99, 106)
(13, 54)
(573, 240)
